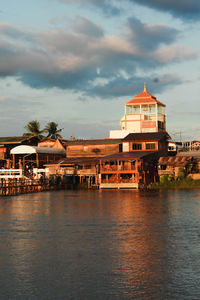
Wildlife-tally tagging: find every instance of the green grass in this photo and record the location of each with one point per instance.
(183, 183)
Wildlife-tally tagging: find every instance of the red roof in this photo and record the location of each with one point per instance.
(144, 98)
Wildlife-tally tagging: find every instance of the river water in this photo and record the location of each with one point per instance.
(100, 245)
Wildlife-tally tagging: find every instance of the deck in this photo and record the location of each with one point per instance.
(121, 185)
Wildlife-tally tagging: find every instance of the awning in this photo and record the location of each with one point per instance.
(129, 155)
(24, 149)
(174, 160)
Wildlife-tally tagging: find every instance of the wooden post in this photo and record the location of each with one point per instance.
(13, 162)
(23, 163)
(136, 174)
(37, 160)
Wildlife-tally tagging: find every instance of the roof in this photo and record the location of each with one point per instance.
(129, 155)
(14, 139)
(178, 161)
(195, 154)
(24, 149)
(74, 160)
(146, 136)
(94, 142)
(144, 98)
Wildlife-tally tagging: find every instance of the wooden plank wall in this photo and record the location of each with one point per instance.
(91, 150)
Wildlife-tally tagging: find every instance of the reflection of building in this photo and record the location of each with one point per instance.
(142, 114)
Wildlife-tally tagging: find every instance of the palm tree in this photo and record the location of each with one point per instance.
(33, 128)
(52, 130)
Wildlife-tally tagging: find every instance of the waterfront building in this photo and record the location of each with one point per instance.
(31, 156)
(144, 113)
(93, 147)
(137, 164)
(8, 143)
(128, 159)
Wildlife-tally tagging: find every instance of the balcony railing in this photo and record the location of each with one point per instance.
(165, 172)
(117, 168)
(11, 173)
(114, 180)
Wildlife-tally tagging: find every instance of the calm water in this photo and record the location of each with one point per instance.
(100, 245)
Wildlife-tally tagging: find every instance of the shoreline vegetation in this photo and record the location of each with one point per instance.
(180, 183)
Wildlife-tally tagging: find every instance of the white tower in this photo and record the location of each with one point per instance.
(144, 114)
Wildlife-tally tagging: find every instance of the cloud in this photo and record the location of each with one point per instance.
(126, 87)
(86, 59)
(174, 53)
(107, 6)
(149, 36)
(86, 27)
(183, 9)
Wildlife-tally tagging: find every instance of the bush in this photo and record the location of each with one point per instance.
(165, 179)
(181, 173)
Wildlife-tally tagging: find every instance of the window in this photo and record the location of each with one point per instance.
(129, 110)
(137, 146)
(150, 146)
(136, 109)
(144, 109)
(152, 109)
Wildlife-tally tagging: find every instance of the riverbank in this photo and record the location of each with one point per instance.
(185, 183)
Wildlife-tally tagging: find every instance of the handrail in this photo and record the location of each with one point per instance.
(11, 173)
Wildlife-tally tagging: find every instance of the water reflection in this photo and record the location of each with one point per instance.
(100, 244)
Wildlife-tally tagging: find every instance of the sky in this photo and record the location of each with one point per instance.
(77, 62)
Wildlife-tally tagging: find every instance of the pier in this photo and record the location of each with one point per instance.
(11, 187)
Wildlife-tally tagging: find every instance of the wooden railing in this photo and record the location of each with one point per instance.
(114, 180)
(165, 172)
(11, 173)
(18, 186)
(117, 168)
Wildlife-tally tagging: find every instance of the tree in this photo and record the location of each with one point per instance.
(52, 130)
(33, 128)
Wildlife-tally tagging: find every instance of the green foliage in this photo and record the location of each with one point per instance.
(185, 183)
(33, 128)
(181, 173)
(164, 179)
(52, 130)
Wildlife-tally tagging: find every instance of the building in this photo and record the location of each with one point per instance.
(8, 143)
(34, 157)
(144, 113)
(136, 165)
(128, 159)
(93, 147)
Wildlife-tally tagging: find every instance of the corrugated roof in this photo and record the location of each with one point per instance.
(146, 136)
(175, 161)
(24, 149)
(78, 160)
(94, 142)
(128, 155)
(14, 139)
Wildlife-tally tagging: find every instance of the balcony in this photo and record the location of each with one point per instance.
(115, 168)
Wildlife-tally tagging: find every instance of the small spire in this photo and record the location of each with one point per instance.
(145, 88)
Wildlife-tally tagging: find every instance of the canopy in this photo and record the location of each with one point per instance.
(24, 149)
